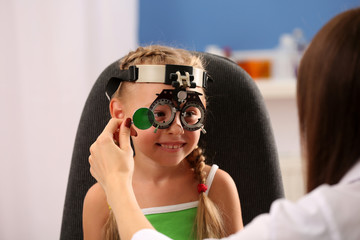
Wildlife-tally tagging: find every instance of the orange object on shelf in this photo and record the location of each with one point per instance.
(257, 68)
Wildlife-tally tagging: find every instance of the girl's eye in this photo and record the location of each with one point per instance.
(189, 114)
(192, 112)
(159, 114)
(192, 115)
(161, 117)
(162, 113)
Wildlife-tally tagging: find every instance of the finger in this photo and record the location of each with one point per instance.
(92, 172)
(112, 126)
(91, 149)
(124, 134)
(91, 162)
(91, 165)
(133, 132)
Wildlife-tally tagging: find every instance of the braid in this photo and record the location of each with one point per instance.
(111, 231)
(156, 54)
(142, 56)
(209, 223)
(197, 163)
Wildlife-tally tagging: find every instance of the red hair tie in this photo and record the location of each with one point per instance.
(202, 188)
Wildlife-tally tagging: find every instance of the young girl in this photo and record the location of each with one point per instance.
(179, 194)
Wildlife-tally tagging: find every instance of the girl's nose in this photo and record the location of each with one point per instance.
(176, 127)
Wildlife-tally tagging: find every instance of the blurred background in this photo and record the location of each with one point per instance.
(51, 53)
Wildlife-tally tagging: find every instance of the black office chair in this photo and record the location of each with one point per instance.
(239, 139)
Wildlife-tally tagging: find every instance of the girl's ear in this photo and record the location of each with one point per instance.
(116, 108)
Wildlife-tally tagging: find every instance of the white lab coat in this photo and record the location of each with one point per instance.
(327, 213)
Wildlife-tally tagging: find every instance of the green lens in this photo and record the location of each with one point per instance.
(143, 118)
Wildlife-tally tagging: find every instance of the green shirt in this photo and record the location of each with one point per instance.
(176, 221)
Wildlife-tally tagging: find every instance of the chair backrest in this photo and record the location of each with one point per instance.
(239, 139)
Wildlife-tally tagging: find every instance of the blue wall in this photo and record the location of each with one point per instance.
(238, 24)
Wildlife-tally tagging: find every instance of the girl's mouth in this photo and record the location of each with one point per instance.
(171, 146)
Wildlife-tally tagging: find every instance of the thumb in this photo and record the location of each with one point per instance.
(124, 134)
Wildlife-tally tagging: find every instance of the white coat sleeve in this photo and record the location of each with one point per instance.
(149, 234)
(326, 213)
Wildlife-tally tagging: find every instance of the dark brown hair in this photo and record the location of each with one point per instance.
(328, 98)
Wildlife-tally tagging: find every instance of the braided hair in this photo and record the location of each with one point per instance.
(209, 223)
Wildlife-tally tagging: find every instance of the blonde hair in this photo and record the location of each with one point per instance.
(208, 222)
(156, 54)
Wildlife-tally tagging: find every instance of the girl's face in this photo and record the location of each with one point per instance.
(166, 147)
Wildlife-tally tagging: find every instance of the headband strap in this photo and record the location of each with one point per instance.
(175, 75)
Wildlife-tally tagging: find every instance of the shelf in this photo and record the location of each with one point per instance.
(277, 89)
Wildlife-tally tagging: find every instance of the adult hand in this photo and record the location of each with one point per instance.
(111, 156)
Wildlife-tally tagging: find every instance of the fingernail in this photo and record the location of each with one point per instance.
(134, 134)
(128, 122)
